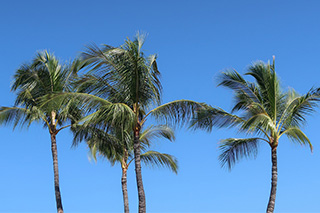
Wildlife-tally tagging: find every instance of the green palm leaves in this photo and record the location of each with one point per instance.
(264, 109)
(119, 92)
(44, 77)
(260, 108)
(124, 73)
(119, 147)
(34, 83)
(235, 148)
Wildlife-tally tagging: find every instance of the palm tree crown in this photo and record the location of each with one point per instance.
(44, 77)
(122, 88)
(265, 110)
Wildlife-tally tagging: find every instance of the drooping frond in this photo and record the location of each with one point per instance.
(106, 150)
(158, 159)
(156, 132)
(20, 116)
(86, 133)
(233, 149)
(296, 135)
(108, 143)
(115, 144)
(298, 107)
(176, 112)
(208, 117)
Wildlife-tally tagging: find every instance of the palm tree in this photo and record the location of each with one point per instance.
(44, 76)
(266, 111)
(122, 87)
(117, 147)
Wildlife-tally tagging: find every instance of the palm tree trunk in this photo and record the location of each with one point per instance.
(141, 194)
(274, 180)
(56, 172)
(125, 190)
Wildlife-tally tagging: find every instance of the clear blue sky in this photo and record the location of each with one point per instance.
(195, 40)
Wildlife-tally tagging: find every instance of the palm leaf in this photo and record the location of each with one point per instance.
(296, 135)
(22, 116)
(155, 132)
(208, 117)
(176, 112)
(299, 107)
(259, 122)
(234, 81)
(158, 159)
(234, 149)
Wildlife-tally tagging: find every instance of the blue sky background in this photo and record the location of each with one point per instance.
(195, 40)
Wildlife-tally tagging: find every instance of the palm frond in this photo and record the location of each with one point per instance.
(90, 101)
(156, 132)
(296, 135)
(176, 112)
(259, 122)
(44, 77)
(234, 81)
(208, 117)
(269, 87)
(233, 149)
(20, 116)
(112, 115)
(158, 159)
(102, 142)
(299, 107)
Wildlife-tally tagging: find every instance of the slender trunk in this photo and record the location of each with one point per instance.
(274, 181)
(125, 190)
(56, 172)
(141, 194)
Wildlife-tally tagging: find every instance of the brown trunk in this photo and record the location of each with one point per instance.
(56, 172)
(274, 181)
(125, 190)
(141, 194)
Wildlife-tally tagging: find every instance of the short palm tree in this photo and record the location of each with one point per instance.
(44, 76)
(122, 87)
(266, 111)
(117, 147)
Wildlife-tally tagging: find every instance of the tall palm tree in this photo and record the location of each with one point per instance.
(266, 111)
(44, 76)
(117, 147)
(122, 87)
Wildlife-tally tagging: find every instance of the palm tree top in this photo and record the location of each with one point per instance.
(122, 85)
(123, 73)
(261, 107)
(43, 77)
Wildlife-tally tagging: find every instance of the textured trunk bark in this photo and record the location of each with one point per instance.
(141, 194)
(274, 181)
(56, 173)
(125, 190)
